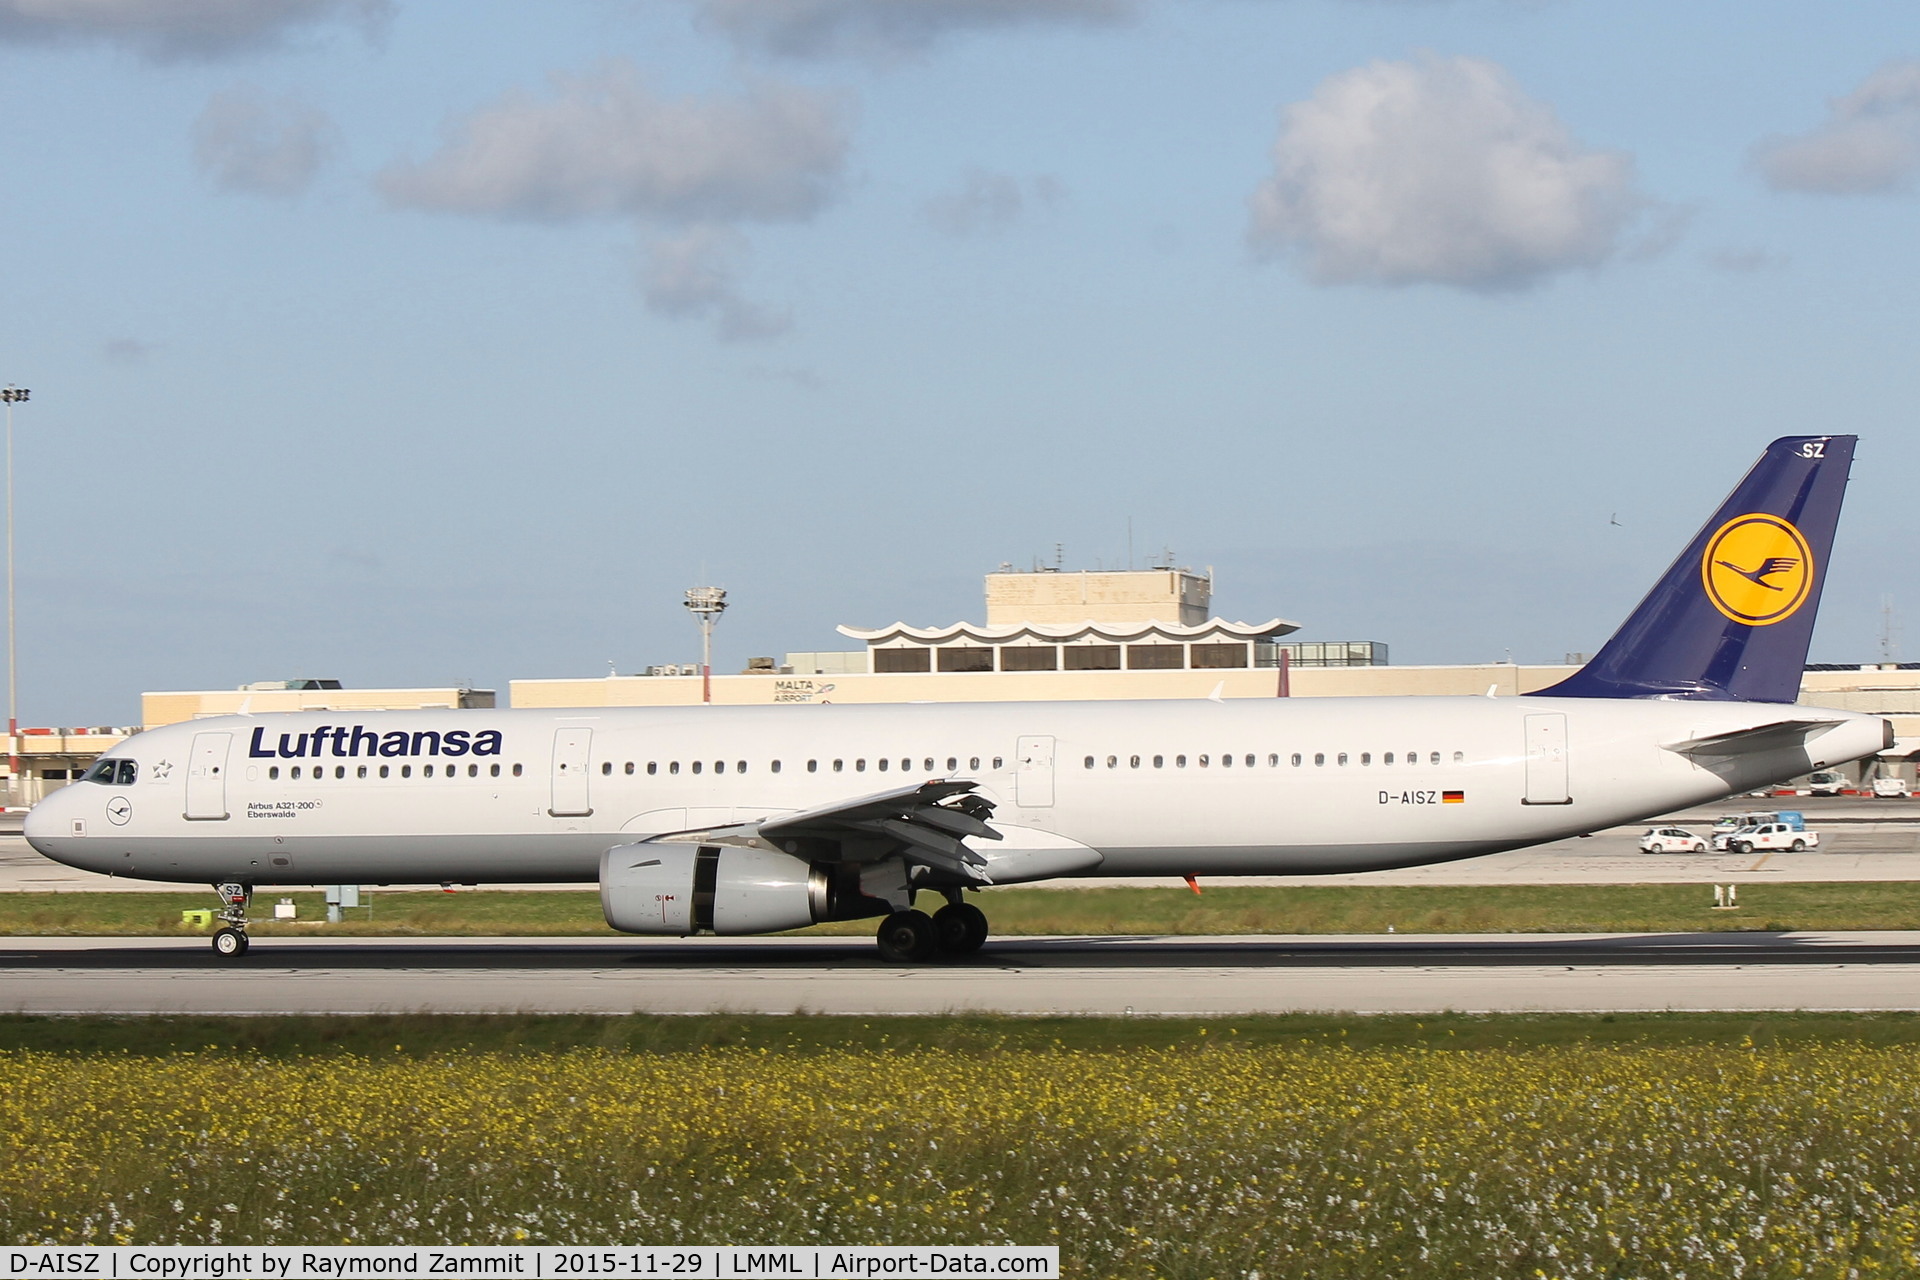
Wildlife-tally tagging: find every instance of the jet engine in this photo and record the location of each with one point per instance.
(680, 889)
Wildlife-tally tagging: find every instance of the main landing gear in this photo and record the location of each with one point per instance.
(230, 940)
(914, 937)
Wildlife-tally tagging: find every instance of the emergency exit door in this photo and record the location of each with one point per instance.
(1547, 760)
(207, 777)
(1033, 773)
(571, 748)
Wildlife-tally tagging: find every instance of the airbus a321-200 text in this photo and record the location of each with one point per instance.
(746, 820)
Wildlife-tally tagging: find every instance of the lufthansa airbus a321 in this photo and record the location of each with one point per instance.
(743, 820)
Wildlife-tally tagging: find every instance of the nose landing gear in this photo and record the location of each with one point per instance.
(230, 940)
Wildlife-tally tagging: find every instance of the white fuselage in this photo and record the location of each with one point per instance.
(1285, 786)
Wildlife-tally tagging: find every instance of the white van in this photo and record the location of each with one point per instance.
(1826, 783)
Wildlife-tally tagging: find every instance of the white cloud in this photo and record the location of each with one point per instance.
(1869, 143)
(248, 142)
(169, 29)
(603, 144)
(691, 276)
(1438, 170)
(889, 28)
(988, 201)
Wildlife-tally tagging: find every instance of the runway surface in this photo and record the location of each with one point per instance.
(1427, 974)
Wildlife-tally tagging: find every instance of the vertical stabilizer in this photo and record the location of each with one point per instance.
(1732, 618)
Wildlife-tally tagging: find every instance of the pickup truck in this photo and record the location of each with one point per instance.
(1768, 835)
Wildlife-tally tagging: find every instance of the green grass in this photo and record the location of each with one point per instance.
(424, 1035)
(1313, 909)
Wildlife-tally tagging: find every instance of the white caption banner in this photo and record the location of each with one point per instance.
(621, 1262)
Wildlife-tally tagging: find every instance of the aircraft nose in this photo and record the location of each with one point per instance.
(47, 819)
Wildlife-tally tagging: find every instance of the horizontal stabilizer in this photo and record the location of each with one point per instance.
(1778, 735)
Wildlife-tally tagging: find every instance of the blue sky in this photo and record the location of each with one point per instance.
(411, 341)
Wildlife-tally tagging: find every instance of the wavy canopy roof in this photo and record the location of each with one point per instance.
(1069, 632)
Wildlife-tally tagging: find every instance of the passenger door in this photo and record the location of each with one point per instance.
(571, 747)
(207, 777)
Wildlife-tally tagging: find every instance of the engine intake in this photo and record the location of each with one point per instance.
(681, 889)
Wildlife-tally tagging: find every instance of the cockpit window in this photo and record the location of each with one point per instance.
(112, 773)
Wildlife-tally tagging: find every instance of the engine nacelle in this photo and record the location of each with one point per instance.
(681, 889)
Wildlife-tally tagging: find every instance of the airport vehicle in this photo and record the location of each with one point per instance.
(1826, 783)
(741, 820)
(1734, 821)
(1768, 835)
(1678, 839)
(1891, 788)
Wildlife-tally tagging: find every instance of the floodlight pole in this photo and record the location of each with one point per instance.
(706, 604)
(12, 395)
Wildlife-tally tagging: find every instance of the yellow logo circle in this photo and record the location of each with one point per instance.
(1757, 569)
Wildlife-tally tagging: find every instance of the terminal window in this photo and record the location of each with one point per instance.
(1219, 655)
(913, 658)
(1093, 657)
(1029, 657)
(1156, 657)
(966, 659)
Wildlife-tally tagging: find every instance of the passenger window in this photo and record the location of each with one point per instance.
(719, 766)
(739, 766)
(1387, 758)
(629, 768)
(883, 764)
(953, 764)
(1179, 762)
(1113, 762)
(340, 771)
(1343, 757)
(973, 764)
(426, 771)
(294, 772)
(1203, 761)
(273, 772)
(516, 770)
(1319, 759)
(996, 762)
(1159, 762)
(1459, 757)
(698, 765)
(929, 764)
(473, 771)
(1226, 761)
(1089, 762)
(1276, 760)
(406, 771)
(813, 766)
(383, 770)
(1413, 757)
(906, 766)
(1435, 759)
(493, 771)
(1296, 759)
(1366, 757)
(606, 768)
(674, 767)
(360, 772)
(776, 766)
(1133, 762)
(838, 765)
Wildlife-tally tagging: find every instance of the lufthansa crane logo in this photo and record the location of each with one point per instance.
(1757, 569)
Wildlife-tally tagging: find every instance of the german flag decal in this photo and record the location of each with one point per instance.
(1453, 797)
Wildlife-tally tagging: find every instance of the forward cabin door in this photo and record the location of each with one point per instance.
(207, 777)
(571, 747)
(1033, 775)
(1547, 760)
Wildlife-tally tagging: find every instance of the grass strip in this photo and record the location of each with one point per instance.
(1213, 1153)
(1310, 909)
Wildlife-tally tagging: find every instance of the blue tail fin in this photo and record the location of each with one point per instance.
(1733, 617)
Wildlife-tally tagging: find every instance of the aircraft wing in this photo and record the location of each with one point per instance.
(927, 823)
(1754, 739)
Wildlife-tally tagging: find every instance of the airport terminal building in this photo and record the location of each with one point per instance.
(1048, 636)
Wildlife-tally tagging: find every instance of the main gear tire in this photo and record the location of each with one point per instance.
(962, 927)
(908, 937)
